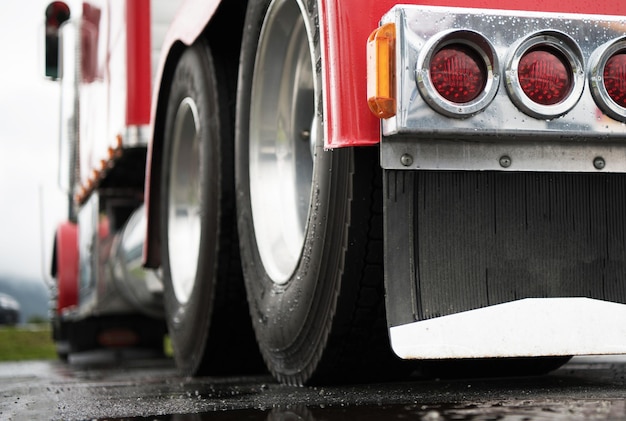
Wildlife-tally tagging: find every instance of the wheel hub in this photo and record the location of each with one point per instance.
(184, 201)
(283, 135)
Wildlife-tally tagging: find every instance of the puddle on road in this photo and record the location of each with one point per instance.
(514, 410)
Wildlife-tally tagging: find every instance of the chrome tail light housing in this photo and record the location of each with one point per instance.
(545, 74)
(562, 106)
(458, 73)
(607, 78)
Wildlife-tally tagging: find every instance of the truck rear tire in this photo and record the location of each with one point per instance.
(204, 296)
(310, 220)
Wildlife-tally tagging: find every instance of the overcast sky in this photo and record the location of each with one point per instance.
(30, 202)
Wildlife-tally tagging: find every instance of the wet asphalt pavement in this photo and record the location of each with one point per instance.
(108, 386)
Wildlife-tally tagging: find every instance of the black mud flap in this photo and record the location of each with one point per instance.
(458, 241)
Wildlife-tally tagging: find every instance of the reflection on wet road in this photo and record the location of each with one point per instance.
(527, 410)
(131, 387)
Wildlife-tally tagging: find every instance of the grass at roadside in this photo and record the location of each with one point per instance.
(167, 347)
(33, 342)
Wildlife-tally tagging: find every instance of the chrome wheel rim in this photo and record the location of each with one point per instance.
(283, 133)
(184, 204)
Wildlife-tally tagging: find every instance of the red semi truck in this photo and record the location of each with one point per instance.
(328, 185)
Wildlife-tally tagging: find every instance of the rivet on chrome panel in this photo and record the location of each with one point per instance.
(505, 161)
(406, 160)
(599, 163)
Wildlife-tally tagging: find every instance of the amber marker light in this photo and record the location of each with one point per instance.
(381, 71)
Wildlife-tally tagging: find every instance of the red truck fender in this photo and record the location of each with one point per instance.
(65, 265)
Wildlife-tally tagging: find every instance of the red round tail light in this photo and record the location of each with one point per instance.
(544, 75)
(607, 78)
(458, 73)
(615, 78)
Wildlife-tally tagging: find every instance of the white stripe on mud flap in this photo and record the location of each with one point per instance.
(524, 328)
